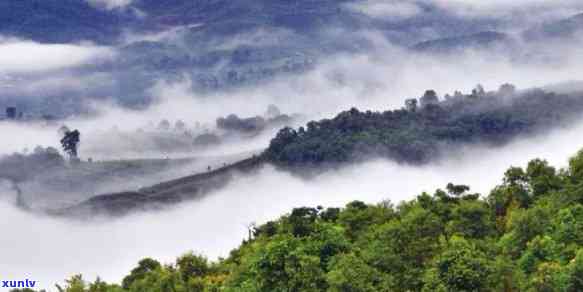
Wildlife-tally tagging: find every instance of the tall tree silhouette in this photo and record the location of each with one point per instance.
(70, 142)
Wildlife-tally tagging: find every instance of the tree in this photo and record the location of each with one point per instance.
(348, 272)
(576, 166)
(568, 226)
(541, 177)
(411, 104)
(430, 97)
(272, 111)
(191, 265)
(471, 219)
(284, 264)
(575, 273)
(460, 267)
(144, 267)
(507, 89)
(404, 248)
(74, 284)
(70, 142)
(478, 91)
(164, 125)
(540, 249)
(523, 226)
(457, 190)
(179, 126)
(301, 221)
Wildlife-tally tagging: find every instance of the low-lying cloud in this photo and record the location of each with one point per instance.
(23, 56)
(379, 79)
(55, 249)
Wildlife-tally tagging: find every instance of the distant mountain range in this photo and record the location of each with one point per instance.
(62, 21)
(220, 44)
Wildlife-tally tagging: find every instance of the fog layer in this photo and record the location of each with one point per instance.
(48, 250)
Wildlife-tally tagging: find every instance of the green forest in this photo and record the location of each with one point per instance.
(525, 235)
(419, 131)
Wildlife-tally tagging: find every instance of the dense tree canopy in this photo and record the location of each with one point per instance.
(422, 129)
(525, 235)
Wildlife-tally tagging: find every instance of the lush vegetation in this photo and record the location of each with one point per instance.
(418, 132)
(526, 235)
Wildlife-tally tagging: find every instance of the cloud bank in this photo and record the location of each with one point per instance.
(380, 79)
(111, 248)
(23, 56)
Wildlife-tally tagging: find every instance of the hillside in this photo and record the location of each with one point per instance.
(161, 195)
(427, 128)
(525, 235)
(45, 180)
(216, 45)
(414, 135)
(223, 45)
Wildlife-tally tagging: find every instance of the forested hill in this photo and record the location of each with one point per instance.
(418, 132)
(526, 235)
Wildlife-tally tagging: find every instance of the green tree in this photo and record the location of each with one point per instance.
(192, 266)
(144, 267)
(471, 219)
(73, 284)
(403, 248)
(460, 267)
(349, 273)
(575, 273)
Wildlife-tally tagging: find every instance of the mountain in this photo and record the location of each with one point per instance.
(416, 135)
(219, 45)
(215, 44)
(161, 195)
(426, 129)
(526, 231)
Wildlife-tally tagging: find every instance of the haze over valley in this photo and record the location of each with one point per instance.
(140, 129)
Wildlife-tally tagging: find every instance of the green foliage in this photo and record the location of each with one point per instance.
(471, 219)
(460, 267)
(526, 235)
(416, 134)
(349, 273)
(144, 267)
(192, 266)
